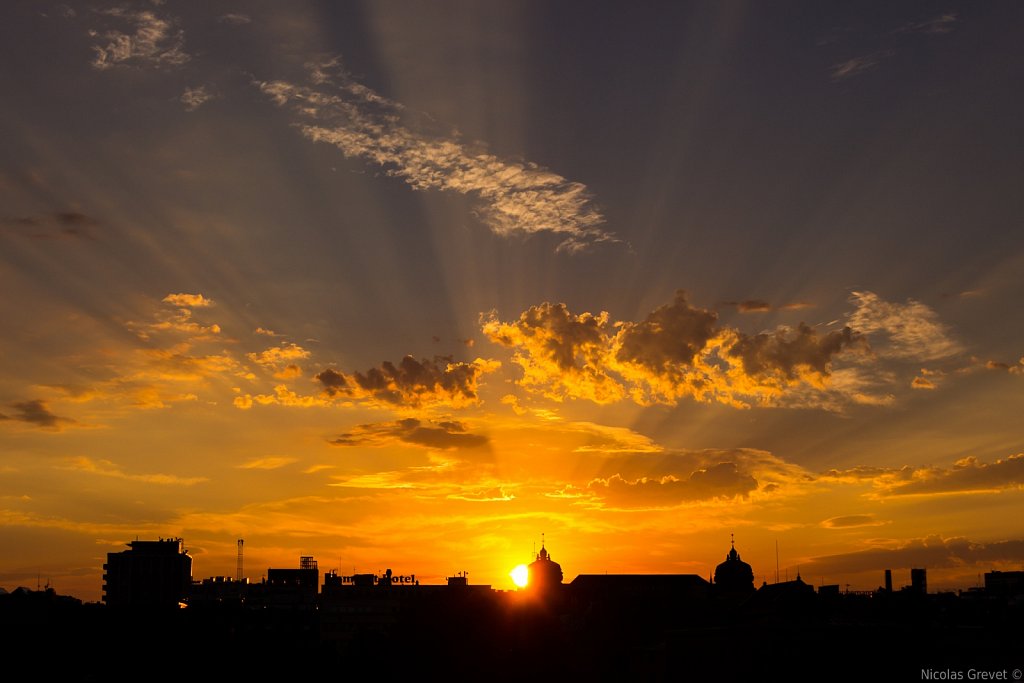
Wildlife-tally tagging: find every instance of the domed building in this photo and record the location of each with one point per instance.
(544, 573)
(734, 575)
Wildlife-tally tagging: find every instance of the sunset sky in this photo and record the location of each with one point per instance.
(407, 284)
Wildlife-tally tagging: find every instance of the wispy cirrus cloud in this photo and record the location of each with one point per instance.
(106, 468)
(273, 462)
(514, 197)
(151, 40)
(937, 26)
(910, 330)
(857, 66)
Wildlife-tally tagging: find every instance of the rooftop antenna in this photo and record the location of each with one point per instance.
(238, 566)
(776, 560)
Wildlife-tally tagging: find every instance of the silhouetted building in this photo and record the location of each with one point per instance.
(545, 575)
(919, 581)
(783, 600)
(290, 588)
(1004, 584)
(218, 590)
(734, 575)
(149, 574)
(888, 581)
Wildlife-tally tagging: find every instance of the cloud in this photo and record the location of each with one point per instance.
(152, 41)
(234, 18)
(443, 434)
(36, 412)
(749, 305)
(1016, 369)
(269, 463)
(966, 476)
(108, 469)
(264, 331)
(513, 197)
(923, 383)
(670, 478)
(721, 480)
(56, 225)
(282, 396)
(193, 98)
(276, 360)
(188, 300)
(933, 552)
(790, 354)
(412, 383)
(561, 354)
(936, 26)
(851, 521)
(912, 329)
(180, 319)
(677, 351)
(859, 65)
(494, 494)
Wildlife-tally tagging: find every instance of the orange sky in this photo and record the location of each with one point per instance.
(406, 289)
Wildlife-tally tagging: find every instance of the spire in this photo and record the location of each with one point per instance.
(733, 555)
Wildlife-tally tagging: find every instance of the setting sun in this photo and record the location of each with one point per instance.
(520, 575)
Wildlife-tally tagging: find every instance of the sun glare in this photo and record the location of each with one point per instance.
(520, 575)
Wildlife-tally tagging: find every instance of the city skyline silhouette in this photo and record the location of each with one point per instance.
(444, 287)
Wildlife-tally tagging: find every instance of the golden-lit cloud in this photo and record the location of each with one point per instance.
(107, 468)
(412, 383)
(179, 319)
(561, 354)
(269, 463)
(278, 360)
(514, 197)
(678, 351)
(1016, 369)
(921, 382)
(278, 355)
(851, 522)
(184, 300)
